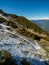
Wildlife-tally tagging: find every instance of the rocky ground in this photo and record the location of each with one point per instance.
(19, 47)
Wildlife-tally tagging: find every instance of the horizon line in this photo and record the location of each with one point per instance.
(44, 18)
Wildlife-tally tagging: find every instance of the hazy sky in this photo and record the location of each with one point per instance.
(32, 9)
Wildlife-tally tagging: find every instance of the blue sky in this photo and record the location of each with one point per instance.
(31, 9)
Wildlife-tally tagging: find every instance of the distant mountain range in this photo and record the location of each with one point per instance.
(43, 24)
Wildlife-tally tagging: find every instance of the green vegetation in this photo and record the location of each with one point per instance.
(13, 15)
(6, 58)
(12, 24)
(28, 24)
(2, 20)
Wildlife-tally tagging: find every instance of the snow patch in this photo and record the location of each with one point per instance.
(4, 17)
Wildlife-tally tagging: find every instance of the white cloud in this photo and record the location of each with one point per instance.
(39, 18)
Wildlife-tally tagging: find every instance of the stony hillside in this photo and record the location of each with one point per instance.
(23, 26)
(23, 39)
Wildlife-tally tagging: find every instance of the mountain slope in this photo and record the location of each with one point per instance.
(20, 20)
(20, 47)
(23, 39)
(23, 26)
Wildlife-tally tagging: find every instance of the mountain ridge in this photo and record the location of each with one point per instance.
(22, 25)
